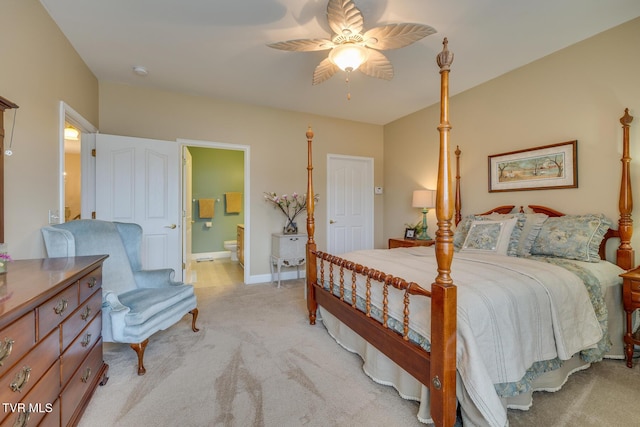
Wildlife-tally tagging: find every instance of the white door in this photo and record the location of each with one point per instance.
(349, 203)
(187, 214)
(138, 180)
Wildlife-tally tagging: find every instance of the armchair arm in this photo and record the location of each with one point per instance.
(155, 278)
(112, 307)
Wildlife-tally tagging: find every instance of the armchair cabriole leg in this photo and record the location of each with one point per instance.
(139, 349)
(194, 312)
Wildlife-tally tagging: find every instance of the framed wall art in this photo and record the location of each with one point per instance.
(546, 167)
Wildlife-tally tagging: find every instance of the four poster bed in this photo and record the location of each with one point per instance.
(525, 311)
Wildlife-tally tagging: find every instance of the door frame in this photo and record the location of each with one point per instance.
(370, 201)
(246, 192)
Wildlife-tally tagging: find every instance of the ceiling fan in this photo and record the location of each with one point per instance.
(350, 48)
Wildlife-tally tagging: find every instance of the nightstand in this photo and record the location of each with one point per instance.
(408, 243)
(288, 250)
(631, 302)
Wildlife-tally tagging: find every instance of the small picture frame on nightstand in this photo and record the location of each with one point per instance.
(410, 233)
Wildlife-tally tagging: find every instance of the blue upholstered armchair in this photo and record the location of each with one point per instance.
(136, 303)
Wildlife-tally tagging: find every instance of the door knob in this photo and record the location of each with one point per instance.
(172, 226)
(332, 221)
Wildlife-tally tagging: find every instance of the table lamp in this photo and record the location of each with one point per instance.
(425, 199)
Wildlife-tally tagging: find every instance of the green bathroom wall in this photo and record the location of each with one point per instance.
(215, 172)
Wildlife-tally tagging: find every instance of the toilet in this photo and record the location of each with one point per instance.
(232, 246)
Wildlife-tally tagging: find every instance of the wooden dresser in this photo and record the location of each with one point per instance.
(50, 340)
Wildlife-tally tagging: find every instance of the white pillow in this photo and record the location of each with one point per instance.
(489, 236)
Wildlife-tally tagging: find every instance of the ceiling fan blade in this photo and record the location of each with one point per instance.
(303, 45)
(344, 17)
(324, 71)
(377, 65)
(394, 36)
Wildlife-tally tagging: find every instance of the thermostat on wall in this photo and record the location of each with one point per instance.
(378, 190)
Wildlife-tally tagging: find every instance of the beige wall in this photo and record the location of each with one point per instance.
(577, 93)
(39, 68)
(278, 147)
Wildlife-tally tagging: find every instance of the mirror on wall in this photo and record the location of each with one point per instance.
(5, 104)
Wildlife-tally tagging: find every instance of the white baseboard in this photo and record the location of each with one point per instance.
(208, 256)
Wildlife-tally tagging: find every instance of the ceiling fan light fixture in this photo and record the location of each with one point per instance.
(349, 56)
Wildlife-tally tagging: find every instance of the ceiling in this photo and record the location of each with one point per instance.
(218, 48)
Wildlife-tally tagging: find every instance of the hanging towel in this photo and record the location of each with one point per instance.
(205, 208)
(233, 202)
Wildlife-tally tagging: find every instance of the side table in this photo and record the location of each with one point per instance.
(408, 243)
(287, 250)
(631, 302)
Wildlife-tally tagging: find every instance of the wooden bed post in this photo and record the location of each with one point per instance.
(311, 263)
(443, 292)
(625, 254)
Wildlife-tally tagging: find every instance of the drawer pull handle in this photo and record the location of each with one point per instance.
(23, 419)
(21, 379)
(86, 340)
(61, 306)
(87, 374)
(5, 350)
(92, 282)
(86, 314)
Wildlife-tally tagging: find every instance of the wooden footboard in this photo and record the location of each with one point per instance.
(341, 277)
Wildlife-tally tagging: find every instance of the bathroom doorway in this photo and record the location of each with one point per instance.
(215, 206)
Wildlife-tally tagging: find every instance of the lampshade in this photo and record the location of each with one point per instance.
(348, 56)
(425, 199)
(71, 133)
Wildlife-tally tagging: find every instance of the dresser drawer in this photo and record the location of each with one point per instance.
(634, 286)
(90, 283)
(56, 309)
(41, 401)
(16, 383)
(80, 384)
(15, 340)
(80, 318)
(51, 417)
(79, 349)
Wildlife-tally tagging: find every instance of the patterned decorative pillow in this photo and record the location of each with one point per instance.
(572, 236)
(461, 231)
(525, 232)
(489, 236)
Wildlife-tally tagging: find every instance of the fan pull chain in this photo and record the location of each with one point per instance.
(348, 85)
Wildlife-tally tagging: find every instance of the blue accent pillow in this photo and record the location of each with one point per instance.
(489, 236)
(572, 236)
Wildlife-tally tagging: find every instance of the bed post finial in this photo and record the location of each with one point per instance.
(625, 254)
(311, 264)
(445, 58)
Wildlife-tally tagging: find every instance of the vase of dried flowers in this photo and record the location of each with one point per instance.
(291, 206)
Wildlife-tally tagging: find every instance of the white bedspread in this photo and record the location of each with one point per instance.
(512, 312)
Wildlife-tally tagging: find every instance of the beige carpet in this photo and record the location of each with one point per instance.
(257, 362)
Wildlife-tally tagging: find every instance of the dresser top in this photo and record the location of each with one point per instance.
(29, 281)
